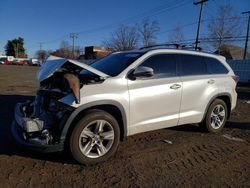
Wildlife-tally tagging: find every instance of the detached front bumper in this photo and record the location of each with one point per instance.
(19, 135)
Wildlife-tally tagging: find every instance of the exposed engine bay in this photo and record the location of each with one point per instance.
(42, 120)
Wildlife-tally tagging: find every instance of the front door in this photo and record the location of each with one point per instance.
(155, 101)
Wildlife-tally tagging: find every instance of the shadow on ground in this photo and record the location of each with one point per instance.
(8, 147)
(243, 91)
(238, 125)
(7, 144)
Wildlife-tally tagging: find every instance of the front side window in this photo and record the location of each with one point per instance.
(192, 65)
(164, 65)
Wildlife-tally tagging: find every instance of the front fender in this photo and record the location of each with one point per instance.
(83, 107)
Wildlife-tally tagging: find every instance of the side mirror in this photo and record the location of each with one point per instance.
(143, 72)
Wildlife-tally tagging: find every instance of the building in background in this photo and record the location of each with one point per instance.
(96, 52)
(232, 52)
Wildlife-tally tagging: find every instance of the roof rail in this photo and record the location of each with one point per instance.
(161, 45)
(192, 47)
(176, 45)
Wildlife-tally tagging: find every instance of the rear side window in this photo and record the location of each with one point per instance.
(164, 65)
(215, 67)
(192, 65)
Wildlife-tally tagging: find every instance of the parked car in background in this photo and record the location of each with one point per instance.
(90, 109)
(20, 63)
(33, 62)
(4, 61)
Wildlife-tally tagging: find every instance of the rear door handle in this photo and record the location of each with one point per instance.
(175, 86)
(210, 81)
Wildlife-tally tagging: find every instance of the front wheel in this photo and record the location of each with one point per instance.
(95, 137)
(216, 116)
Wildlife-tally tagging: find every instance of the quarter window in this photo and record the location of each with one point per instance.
(215, 67)
(164, 65)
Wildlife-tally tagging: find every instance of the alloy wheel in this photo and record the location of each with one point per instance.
(218, 116)
(96, 138)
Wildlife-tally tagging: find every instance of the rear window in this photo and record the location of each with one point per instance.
(192, 65)
(215, 67)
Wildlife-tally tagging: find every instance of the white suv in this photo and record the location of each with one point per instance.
(91, 108)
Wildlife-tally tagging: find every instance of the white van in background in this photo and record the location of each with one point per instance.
(34, 62)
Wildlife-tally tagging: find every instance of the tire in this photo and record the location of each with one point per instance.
(216, 116)
(95, 138)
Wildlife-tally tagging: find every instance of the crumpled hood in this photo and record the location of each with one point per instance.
(54, 63)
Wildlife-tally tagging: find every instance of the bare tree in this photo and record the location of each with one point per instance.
(124, 38)
(41, 55)
(147, 31)
(64, 50)
(176, 36)
(224, 25)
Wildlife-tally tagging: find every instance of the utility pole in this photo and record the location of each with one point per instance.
(16, 50)
(248, 23)
(199, 22)
(40, 45)
(73, 36)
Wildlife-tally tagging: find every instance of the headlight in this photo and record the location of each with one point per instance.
(74, 85)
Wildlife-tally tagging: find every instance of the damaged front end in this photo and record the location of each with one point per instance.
(38, 124)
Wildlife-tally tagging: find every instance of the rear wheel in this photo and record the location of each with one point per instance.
(216, 116)
(95, 138)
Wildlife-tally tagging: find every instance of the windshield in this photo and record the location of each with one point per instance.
(114, 64)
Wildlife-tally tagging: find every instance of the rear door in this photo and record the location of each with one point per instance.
(198, 85)
(155, 101)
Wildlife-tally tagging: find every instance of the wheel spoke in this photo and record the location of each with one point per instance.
(99, 126)
(222, 113)
(109, 135)
(216, 110)
(219, 122)
(213, 114)
(101, 149)
(213, 122)
(87, 148)
(86, 133)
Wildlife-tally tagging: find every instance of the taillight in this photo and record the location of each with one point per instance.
(236, 78)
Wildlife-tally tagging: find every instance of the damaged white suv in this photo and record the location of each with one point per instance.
(89, 109)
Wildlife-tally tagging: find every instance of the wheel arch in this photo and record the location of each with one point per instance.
(110, 106)
(226, 97)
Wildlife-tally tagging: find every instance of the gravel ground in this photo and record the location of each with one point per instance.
(192, 158)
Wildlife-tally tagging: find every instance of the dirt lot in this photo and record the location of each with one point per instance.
(194, 159)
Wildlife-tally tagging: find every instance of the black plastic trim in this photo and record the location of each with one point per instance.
(213, 98)
(17, 135)
(89, 105)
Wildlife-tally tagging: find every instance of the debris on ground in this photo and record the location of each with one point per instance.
(168, 141)
(248, 102)
(230, 137)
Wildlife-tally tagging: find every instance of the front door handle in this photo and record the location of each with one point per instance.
(210, 81)
(175, 86)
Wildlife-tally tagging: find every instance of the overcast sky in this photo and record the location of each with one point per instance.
(51, 21)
